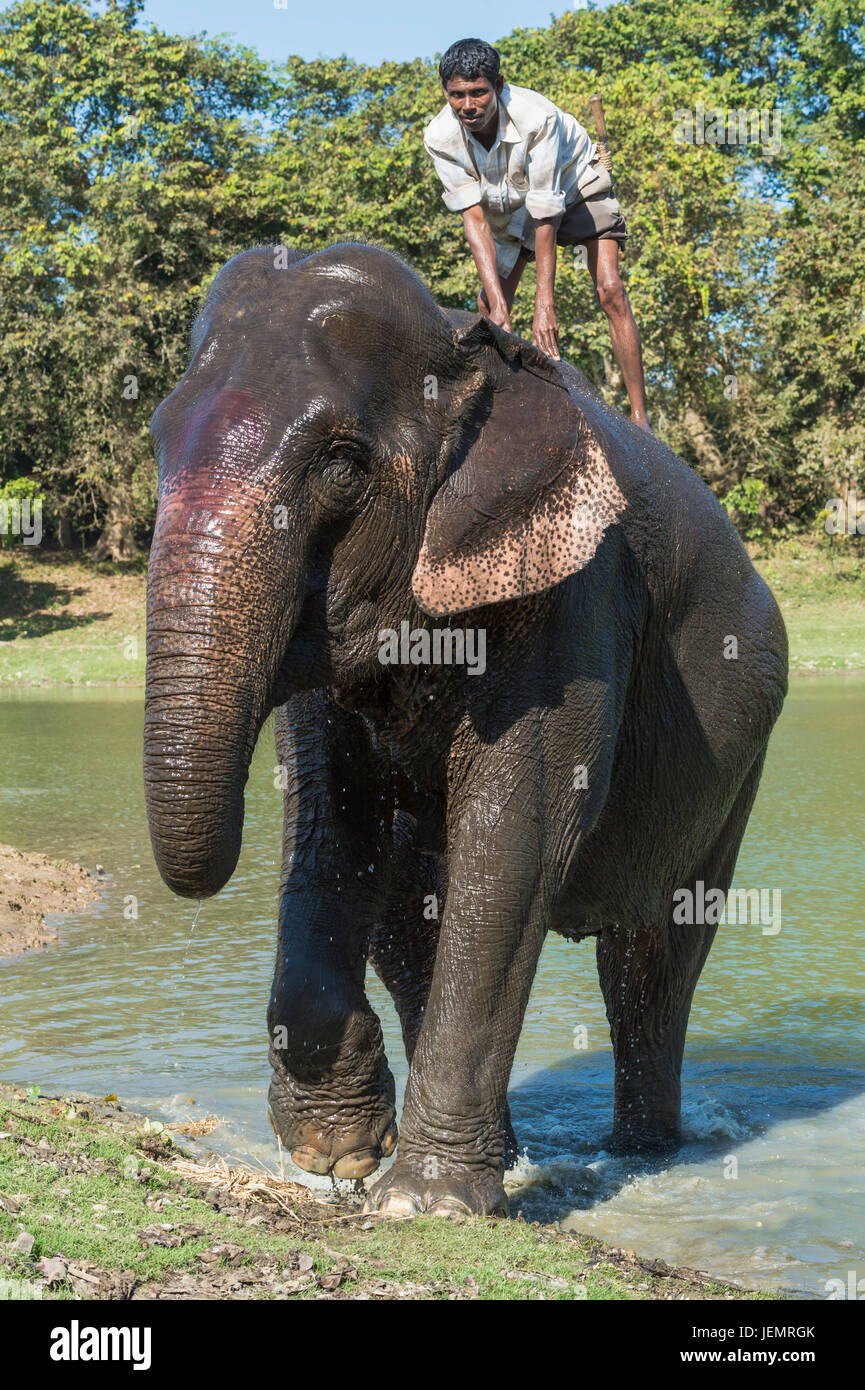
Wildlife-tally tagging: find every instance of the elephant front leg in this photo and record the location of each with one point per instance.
(452, 1148)
(331, 1098)
(405, 943)
(332, 1094)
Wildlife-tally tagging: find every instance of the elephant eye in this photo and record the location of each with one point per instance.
(345, 453)
(341, 474)
(342, 470)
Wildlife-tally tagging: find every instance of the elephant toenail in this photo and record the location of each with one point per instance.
(388, 1143)
(396, 1204)
(356, 1165)
(449, 1207)
(311, 1160)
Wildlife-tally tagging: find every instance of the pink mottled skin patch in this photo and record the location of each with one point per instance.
(206, 469)
(230, 426)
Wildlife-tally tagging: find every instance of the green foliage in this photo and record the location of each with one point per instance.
(744, 503)
(115, 146)
(14, 492)
(133, 163)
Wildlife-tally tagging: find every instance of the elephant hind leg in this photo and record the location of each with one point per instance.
(648, 980)
(404, 943)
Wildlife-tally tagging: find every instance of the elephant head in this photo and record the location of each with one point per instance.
(338, 454)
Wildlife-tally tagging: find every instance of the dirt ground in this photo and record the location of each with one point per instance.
(32, 885)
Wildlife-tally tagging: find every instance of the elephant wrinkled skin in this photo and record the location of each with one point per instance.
(342, 458)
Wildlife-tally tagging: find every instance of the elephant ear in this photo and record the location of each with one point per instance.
(531, 495)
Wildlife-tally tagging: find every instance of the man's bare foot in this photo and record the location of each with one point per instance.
(642, 422)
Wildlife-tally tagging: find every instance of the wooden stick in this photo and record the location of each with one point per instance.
(601, 126)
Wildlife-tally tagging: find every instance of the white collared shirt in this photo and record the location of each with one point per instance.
(536, 161)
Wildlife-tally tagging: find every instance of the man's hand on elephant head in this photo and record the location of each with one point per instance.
(545, 331)
(502, 317)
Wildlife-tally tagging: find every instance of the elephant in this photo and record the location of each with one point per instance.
(351, 479)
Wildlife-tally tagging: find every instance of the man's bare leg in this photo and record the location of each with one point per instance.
(509, 286)
(603, 262)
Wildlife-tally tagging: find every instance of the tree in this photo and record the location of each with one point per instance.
(115, 148)
(133, 164)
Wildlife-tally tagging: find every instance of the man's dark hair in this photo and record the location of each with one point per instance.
(469, 58)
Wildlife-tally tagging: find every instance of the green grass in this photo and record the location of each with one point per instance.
(91, 1188)
(58, 662)
(67, 621)
(820, 589)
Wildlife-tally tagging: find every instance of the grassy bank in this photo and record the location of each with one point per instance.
(820, 589)
(96, 1202)
(66, 621)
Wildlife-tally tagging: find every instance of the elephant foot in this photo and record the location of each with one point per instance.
(334, 1129)
(412, 1188)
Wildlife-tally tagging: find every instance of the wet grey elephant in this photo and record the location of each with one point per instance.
(342, 467)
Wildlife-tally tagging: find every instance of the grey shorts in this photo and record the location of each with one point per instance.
(596, 215)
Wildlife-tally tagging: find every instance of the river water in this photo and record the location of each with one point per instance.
(768, 1188)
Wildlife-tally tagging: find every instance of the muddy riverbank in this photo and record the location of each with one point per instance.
(33, 887)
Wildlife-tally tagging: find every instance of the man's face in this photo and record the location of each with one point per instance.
(475, 101)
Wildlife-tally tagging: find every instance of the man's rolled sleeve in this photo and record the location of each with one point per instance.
(461, 189)
(545, 197)
(467, 195)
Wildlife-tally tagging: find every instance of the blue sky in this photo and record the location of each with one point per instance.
(368, 32)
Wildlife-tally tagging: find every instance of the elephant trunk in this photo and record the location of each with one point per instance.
(219, 615)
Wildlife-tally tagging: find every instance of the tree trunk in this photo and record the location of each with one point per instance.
(117, 539)
(709, 457)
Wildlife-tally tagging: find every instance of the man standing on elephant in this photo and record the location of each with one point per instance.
(527, 177)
